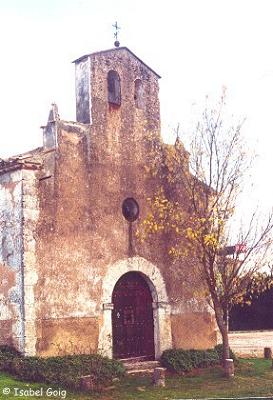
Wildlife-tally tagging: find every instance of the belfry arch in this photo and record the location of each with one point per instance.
(160, 303)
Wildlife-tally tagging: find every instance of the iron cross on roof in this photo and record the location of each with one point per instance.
(117, 28)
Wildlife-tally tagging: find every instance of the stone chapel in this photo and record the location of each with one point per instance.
(73, 276)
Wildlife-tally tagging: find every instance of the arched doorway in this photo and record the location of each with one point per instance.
(132, 318)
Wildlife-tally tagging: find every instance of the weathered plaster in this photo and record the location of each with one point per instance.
(67, 336)
(196, 330)
(11, 288)
(83, 100)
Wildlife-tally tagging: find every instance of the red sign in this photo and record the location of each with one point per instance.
(240, 248)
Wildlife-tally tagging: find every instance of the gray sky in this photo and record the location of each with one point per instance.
(198, 46)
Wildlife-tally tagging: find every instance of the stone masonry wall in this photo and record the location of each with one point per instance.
(30, 218)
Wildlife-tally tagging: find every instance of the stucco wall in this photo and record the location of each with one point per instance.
(82, 230)
(11, 281)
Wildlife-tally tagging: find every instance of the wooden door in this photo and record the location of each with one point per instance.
(132, 318)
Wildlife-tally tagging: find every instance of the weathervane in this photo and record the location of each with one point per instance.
(117, 28)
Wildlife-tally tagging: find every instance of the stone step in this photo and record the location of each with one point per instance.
(140, 367)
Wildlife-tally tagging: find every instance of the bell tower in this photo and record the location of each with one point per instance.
(116, 84)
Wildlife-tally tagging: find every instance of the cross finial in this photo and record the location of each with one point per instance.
(117, 28)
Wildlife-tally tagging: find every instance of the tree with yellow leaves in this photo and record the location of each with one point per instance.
(212, 175)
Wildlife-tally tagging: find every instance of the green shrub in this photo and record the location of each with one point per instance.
(180, 360)
(10, 351)
(7, 354)
(65, 371)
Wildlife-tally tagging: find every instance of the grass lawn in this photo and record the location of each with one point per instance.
(254, 377)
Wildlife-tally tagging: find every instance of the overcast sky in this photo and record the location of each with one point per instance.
(197, 46)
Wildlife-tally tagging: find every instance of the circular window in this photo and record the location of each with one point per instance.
(130, 209)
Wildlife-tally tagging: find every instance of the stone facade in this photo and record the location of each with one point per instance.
(19, 213)
(65, 241)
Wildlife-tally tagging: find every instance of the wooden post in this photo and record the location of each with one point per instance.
(267, 353)
(229, 368)
(159, 376)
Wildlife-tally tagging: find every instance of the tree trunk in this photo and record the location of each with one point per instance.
(226, 318)
(223, 327)
(224, 334)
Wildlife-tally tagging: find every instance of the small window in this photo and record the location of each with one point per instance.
(130, 209)
(138, 94)
(114, 93)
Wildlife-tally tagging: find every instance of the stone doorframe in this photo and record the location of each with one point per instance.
(161, 307)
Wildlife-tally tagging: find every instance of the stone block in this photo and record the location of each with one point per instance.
(30, 329)
(30, 276)
(30, 346)
(29, 294)
(159, 377)
(87, 383)
(267, 352)
(30, 312)
(29, 259)
(29, 188)
(29, 244)
(30, 201)
(31, 214)
(229, 368)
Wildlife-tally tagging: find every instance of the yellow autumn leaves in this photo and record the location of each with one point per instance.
(166, 216)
